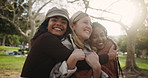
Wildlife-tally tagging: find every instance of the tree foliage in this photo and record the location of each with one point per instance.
(21, 15)
(6, 28)
(122, 43)
(142, 38)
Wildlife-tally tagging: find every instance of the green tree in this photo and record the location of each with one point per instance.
(21, 15)
(131, 36)
(122, 43)
(142, 41)
(6, 29)
(131, 31)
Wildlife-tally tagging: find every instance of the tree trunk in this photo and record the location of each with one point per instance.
(131, 66)
(4, 39)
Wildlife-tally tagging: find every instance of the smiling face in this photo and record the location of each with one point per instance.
(98, 38)
(83, 28)
(57, 25)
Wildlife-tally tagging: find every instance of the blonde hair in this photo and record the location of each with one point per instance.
(74, 19)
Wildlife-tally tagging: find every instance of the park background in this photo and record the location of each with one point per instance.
(125, 20)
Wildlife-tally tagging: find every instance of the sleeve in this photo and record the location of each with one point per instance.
(104, 75)
(60, 70)
(103, 59)
(82, 65)
(53, 47)
(65, 71)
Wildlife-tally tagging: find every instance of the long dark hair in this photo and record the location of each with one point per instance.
(43, 28)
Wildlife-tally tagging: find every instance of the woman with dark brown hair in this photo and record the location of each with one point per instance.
(46, 48)
(102, 44)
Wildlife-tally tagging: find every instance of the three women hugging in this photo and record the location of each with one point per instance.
(73, 47)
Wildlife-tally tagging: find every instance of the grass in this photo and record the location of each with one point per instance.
(14, 63)
(141, 63)
(9, 48)
(10, 63)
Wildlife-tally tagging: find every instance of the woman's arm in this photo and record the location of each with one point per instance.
(52, 47)
(60, 70)
(92, 60)
(67, 68)
(104, 58)
(76, 56)
(111, 52)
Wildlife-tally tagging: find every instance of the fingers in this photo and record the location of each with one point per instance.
(113, 51)
(92, 56)
(112, 48)
(93, 60)
(78, 54)
(112, 55)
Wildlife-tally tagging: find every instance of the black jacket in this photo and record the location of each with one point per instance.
(46, 51)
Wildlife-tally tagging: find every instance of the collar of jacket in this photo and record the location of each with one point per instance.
(69, 43)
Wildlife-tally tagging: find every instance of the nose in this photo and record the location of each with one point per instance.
(59, 23)
(89, 26)
(99, 38)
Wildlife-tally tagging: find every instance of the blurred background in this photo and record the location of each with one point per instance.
(126, 22)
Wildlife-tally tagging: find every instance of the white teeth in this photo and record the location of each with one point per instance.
(86, 31)
(99, 43)
(58, 29)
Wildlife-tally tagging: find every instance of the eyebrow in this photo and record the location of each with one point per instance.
(86, 20)
(64, 19)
